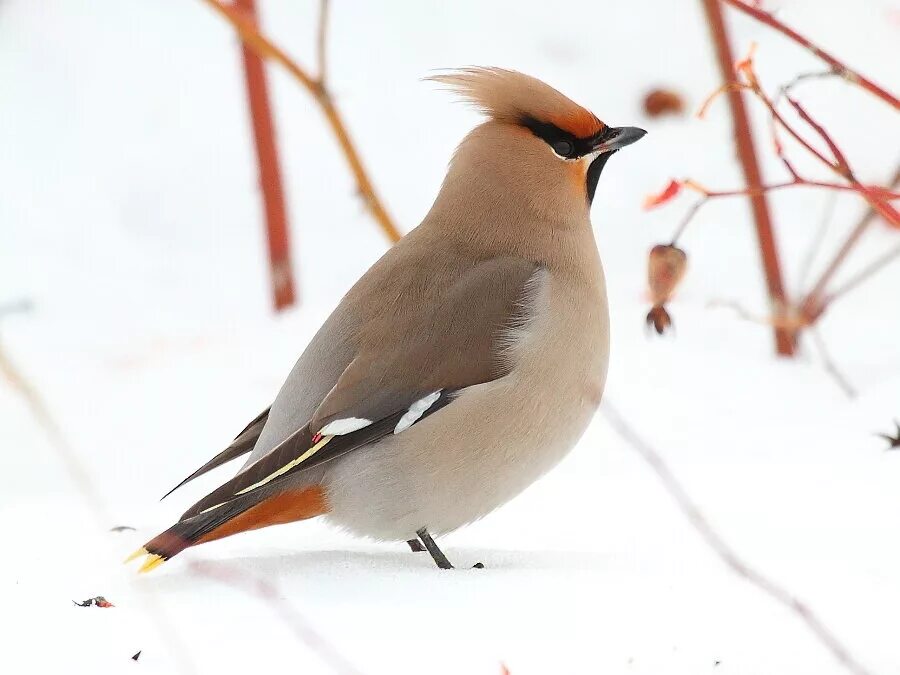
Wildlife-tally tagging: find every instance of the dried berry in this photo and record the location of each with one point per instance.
(659, 319)
(666, 267)
(663, 102)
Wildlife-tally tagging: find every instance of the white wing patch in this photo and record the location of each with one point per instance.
(344, 426)
(416, 410)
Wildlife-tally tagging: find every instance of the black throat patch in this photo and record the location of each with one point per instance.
(594, 171)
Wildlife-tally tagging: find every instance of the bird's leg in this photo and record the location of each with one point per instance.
(416, 546)
(437, 554)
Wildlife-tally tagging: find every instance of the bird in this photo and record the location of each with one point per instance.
(462, 366)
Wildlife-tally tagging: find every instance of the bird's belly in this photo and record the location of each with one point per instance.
(487, 446)
(443, 478)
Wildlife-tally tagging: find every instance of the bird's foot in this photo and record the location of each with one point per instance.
(416, 546)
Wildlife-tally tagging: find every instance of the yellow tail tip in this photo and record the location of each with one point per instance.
(137, 554)
(151, 563)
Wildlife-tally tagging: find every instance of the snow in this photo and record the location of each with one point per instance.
(130, 219)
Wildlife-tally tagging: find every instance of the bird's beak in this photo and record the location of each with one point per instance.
(617, 138)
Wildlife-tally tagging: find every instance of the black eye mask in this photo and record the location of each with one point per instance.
(568, 146)
(564, 143)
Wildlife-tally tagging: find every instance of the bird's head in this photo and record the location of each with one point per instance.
(537, 143)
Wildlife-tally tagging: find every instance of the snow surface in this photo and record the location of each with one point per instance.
(130, 219)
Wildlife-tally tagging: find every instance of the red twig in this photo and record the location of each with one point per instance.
(880, 192)
(838, 66)
(877, 193)
(281, 272)
(784, 340)
(727, 554)
(875, 196)
(266, 49)
(814, 303)
(841, 161)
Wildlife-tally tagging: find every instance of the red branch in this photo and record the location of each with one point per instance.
(810, 307)
(838, 66)
(784, 340)
(266, 49)
(269, 171)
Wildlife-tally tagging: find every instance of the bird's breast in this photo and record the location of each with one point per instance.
(563, 344)
(495, 438)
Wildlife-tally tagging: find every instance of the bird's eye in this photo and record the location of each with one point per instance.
(563, 148)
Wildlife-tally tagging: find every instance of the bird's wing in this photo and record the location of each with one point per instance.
(401, 375)
(241, 445)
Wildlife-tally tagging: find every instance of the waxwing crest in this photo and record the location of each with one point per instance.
(513, 97)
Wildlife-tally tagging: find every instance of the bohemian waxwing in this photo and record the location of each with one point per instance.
(463, 365)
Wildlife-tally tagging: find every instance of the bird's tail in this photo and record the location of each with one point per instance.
(249, 511)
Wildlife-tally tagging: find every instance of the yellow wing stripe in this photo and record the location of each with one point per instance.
(290, 465)
(287, 467)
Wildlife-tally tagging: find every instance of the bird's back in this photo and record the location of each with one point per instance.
(419, 271)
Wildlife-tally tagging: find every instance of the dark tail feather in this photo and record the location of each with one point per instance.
(290, 448)
(241, 445)
(186, 533)
(277, 503)
(295, 445)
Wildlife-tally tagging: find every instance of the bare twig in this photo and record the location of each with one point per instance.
(805, 77)
(838, 66)
(299, 625)
(830, 366)
(889, 256)
(321, 44)
(818, 239)
(814, 302)
(746, 150)
(89, 493)
(727, 554)
(790, 320)
(251, 35)
(21, 306)
(60, 444)
(688, 217)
